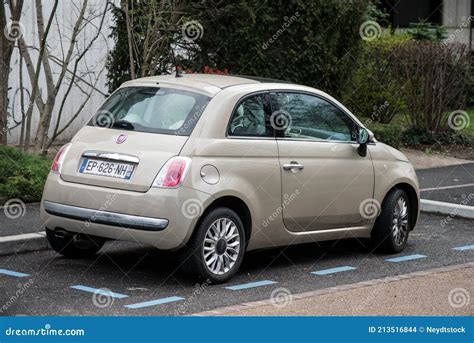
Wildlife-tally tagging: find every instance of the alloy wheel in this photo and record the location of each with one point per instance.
(400, 221)
(221, 246)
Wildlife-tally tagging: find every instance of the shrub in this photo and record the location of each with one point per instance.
(387, 133)
(22, 175)
(376, 92)
(415, 138)
(426, 31)
(470, 96)
(306, 42)
(433, 82)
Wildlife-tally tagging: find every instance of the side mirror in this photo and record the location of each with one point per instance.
(364, 136)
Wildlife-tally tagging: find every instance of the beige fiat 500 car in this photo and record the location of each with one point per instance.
(214, 166)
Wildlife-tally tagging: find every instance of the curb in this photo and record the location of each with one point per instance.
(240, 307)
(446, 208)
(27, 242)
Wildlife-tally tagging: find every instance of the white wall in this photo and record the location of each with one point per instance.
(92, 64)
(457, 21)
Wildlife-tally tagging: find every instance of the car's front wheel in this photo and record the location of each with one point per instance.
(74, 245)
(391, 229)
(217, 248)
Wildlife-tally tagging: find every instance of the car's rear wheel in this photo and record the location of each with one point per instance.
(217, 248)
(392, 227)
(74, 245)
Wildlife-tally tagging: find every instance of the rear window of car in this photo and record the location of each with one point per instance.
(152, 109)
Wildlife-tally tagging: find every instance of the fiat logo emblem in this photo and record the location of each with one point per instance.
(121, 138)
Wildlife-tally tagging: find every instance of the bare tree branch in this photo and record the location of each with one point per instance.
(74, 72)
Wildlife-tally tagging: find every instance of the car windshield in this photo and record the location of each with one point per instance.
(152, 109)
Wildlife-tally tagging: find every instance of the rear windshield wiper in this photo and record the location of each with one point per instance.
(124, 124)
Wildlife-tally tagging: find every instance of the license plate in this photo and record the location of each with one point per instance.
(105, 168)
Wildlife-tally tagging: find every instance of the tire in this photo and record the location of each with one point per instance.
(208, 242)
(73, 245)
(392, 227)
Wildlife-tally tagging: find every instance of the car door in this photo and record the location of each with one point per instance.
(325, 181)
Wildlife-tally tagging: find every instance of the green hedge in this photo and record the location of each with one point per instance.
(22, 175)
(397, 136)
(375, 92)
(390, 134)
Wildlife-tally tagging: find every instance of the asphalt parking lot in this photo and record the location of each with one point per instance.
(130, 279)
(145, 281)
(452, 184)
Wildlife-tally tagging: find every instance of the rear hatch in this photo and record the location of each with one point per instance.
(145, 153)
(132, 136)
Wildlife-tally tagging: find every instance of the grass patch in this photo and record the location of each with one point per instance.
(22, 175)
(469, 130)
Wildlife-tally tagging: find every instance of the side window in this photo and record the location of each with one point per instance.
(250, 117)
(310, 117)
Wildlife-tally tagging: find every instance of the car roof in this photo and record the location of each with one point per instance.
(203, 81)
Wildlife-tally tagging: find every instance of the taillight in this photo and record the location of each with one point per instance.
(173, 172)
(59, 159)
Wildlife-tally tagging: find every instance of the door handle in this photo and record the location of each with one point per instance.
(293, 166)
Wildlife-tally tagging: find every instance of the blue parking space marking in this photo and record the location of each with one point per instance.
(12, 273)
(99, 291)
(333, 270)
(405, 258)
(466, 247)
(250, 285)
(154, 302)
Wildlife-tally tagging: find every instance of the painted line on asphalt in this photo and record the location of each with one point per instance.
(154, 302)
(333, 270)
(99, 291)
(446, 187)
(251, 285)
(466, 247)
(405, 258)
(13, 273)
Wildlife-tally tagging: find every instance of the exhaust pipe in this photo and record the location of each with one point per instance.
(61, 233)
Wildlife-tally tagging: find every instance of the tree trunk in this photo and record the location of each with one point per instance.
(7, 43)
(4, 71)
(129, 39)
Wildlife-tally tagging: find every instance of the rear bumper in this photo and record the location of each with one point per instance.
(158, 217)
(104, 217)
